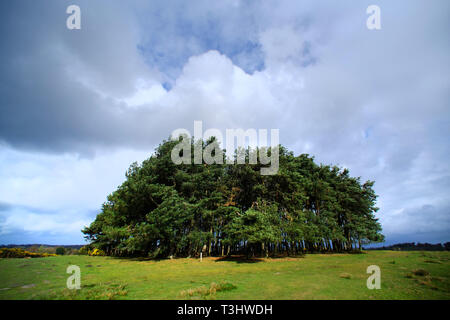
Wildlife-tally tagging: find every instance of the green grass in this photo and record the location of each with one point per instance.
(314, 276)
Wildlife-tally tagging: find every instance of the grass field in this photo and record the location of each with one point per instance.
(314, 276)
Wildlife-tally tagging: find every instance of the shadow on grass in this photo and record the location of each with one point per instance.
(232, 258)
(244, 259)
(239, 259)
(139, 258)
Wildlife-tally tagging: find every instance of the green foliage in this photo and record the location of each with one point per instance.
(163, 209)
(60, 251)
(84, 250)
(72, 251)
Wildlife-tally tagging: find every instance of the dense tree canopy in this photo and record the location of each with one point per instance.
(164, 209)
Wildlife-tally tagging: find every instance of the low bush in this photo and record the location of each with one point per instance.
(21, 253)
(60, 251)
(84, 250)
(421, 272)
(96, 252)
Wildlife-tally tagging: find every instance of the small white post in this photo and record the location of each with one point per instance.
(201, 256)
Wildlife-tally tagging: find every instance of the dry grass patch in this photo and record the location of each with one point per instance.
(432, 261)
(204, 292)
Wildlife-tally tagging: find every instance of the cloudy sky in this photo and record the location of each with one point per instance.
(77, 107)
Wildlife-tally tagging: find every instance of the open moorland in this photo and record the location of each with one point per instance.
(404, 275)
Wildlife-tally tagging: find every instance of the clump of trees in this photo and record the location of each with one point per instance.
(163, 209)
(60, 251)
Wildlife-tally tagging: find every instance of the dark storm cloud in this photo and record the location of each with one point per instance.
(52, 78)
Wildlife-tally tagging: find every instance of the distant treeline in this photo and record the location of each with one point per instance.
(41, 249)
(26, 246)
(163, 209)
(411, 246)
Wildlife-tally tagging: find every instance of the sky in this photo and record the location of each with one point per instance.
(77, 107)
